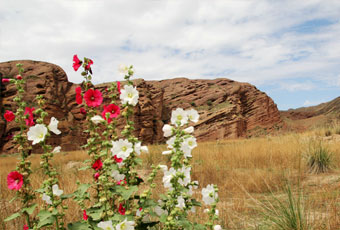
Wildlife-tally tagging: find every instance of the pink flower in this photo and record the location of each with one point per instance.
(97, 165)
(83, 111)
(121, 210)
(85, 216)
(9, 116)
(14, 180)
(76, 62)
(5, 80)
(93, 98)
(29, 111)
(88, 66)
(114, 111)
(79, 98)
(118, 160)
(26, 227)
(96, 175)
(118, 86)
(19, 77)
(121, 182)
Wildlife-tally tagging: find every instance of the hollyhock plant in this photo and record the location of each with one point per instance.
(96, 175)
(26, 227)
(123, 69)
(9, 116)
(5, 80)
(118, 87)
(192, 115)
(85, 216)
(98, 164)
(106, 225)
(129, 95)
(83, 111)
(53, 126)
(126, 225)
(113, 110)
(89, 63)
(167, 130)
(14, 180)
(29, 120)
(47, 199)
(121, 209)
(93, 98)
(37, 133)
(97, 119)
(19, 77)
(118, 160)
(179, 117)
(56, 191)
(76, 62)
(79, 98)
(122, 148)
(209, 194)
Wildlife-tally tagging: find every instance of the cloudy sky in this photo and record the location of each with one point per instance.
(288, 49)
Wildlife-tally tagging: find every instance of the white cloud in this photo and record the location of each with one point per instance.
(251, 41)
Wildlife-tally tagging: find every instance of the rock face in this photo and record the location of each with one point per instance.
(227, 109)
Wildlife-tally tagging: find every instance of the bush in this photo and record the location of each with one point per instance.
(319, 158)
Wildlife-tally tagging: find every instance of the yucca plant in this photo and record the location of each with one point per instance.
(287, 212)
(319, 158)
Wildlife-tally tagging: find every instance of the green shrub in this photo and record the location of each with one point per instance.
(319, 158)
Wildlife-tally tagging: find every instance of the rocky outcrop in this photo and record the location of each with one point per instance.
(227, 109)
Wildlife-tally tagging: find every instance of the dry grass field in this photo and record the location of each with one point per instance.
(252, 176)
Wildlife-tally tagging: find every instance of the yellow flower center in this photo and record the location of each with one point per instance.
(123, 226)
(108, 228)
(41, 136)
(124, 148)
(130, 95)
(179, 117)
(190, 143)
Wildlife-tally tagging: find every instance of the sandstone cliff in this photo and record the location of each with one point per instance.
(227, 109)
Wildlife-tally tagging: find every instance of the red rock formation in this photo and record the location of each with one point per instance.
(227, 109)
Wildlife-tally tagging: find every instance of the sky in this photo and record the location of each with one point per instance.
(288, 49)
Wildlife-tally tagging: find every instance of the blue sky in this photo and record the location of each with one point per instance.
(289, 49)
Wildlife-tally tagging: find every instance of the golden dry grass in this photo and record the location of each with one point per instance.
(244, 170)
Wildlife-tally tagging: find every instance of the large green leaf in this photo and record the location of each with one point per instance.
(199, 227)
(13, 216)
(78, 226)
(30, 210)
(45, 218)
(126, 193)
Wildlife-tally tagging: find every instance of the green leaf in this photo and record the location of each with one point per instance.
(13, 216)
(126, 193)
(196, 203)
(30, 210)
(199, 227)
(40, 190)
(45, 218)
(138, 161)
(13, 199)
(163, 218)
(84, 168)
(78, 226)
(82, 190)
(186, 224)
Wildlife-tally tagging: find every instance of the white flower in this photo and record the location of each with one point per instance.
(129, 95)
(217, 212)
(123, 69)
(46, 198)
(209, 194)
(168, 152)
(56, 149)
(206, 210)
(179, 116)
(180, 202)
(164, 167)
(56, 190)
(171, 142)
(106, 225)
(118, 177)
(53, 126)
(193, 115)
(186, 150)
(167, 130)
(144, 149)
(37, 133)
(122, 148)
(158, 210)
(195, 184)
(190, 129)
(217, 227)
(190, 142)
(187, 177)
(126, 225)
(168, 175)
(97, 119)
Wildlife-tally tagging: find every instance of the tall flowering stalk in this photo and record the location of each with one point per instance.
(174, 207)
(19, 179)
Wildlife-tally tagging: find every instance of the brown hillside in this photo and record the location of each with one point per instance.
(227, 109)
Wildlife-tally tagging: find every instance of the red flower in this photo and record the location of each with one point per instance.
(26, 227)
(93, 98)
(85, 216)
(19, 77)
(5, 80)
(29, 111)
(97, 165)
(121, 210)
(76, 62)
(96, 175)
(14, 180)
(83, 111)
(121, 182)
(118, 160)
(114, 111)
(9, 116)
(79, 98)
(118, 86)
(88, 66)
